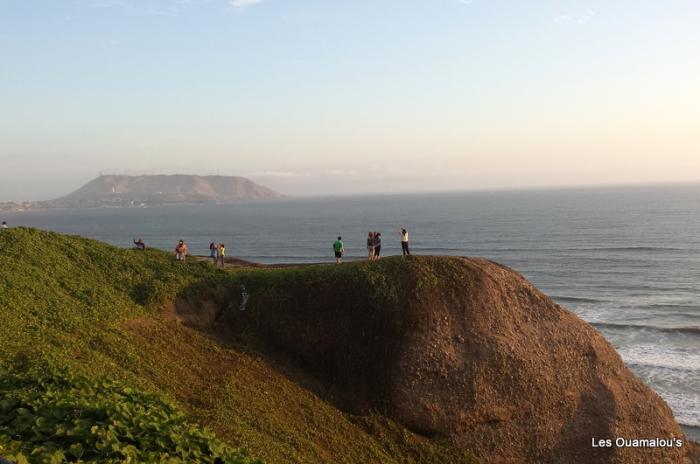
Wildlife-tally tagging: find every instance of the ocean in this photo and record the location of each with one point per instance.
(627, 260)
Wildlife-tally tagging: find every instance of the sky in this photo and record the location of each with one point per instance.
(329, 97)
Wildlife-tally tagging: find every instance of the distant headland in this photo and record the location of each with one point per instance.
(139, 191)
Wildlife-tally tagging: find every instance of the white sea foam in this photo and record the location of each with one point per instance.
(674, 373)
(686, 407)
(658, 356)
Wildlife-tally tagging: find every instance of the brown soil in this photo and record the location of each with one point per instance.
(452, 347)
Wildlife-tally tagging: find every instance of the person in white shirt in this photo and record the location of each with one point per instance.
(404, 242)
(4, 225)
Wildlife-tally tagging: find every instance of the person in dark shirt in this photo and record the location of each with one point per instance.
(377, 245)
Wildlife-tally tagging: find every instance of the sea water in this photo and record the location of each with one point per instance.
(627, 260)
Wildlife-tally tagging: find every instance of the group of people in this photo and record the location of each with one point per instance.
(217, 253)
(374, 246)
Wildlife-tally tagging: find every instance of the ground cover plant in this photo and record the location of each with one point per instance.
(50, 415)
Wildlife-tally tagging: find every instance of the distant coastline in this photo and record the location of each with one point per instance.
(41, 205)
(116, 191)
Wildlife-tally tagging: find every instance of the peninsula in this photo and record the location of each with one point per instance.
(135, 191)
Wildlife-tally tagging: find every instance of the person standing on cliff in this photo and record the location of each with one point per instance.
(404, 242)
(213, 252)
(4, 225)
(181, 251)
(339, 250)
(370, 245)
(377, 245)
(222, 253)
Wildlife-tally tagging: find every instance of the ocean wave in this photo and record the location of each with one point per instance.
(692, 330)
(673, 373)
(685, 407)
(671, 306)
(659, 357)
(632, 248)
(575, 299)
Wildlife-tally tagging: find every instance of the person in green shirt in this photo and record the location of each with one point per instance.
(339, 249)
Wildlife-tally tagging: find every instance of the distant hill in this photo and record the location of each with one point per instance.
(113, 190)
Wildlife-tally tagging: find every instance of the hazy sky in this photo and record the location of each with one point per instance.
(315, 97)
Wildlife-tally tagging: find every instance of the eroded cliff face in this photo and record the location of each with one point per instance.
(450, 347)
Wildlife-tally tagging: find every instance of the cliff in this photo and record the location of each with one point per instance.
(453, 348)
(418, 360)
(102, 313)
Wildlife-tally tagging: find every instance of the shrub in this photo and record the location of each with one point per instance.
(51, 416)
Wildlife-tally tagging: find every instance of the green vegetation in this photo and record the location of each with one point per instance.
(49, 416)
(89, 323)
(388, 282)
(56, 287)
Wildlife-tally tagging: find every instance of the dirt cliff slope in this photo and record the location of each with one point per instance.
(452, 347)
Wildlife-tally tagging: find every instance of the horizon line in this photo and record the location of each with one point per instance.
(538, 188)
(515, 189)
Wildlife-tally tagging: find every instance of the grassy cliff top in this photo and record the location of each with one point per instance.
(56, 286)
(86, 326)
